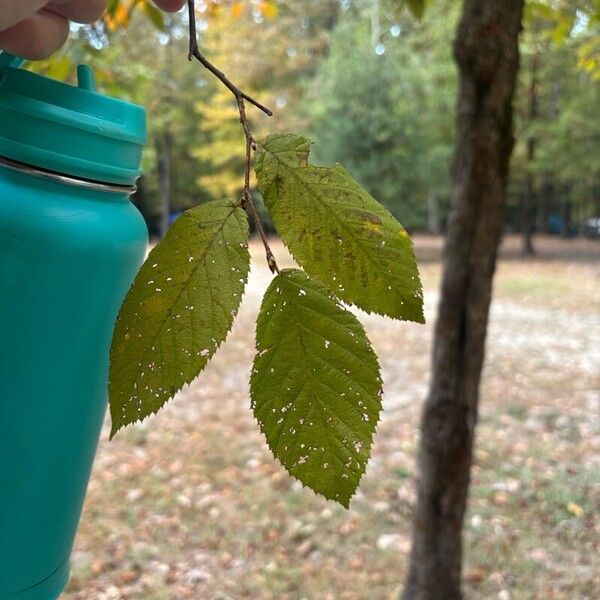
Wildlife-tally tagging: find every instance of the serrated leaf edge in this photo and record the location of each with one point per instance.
(363, 468)
(114, 430)
(341, 222)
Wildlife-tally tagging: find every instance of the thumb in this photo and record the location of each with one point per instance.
(12, 12)
(169, 5)
(37, 36)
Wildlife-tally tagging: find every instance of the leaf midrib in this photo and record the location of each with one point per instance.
(201, 260)
(315, 194)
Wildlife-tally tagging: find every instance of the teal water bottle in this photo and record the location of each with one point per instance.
(70, 246)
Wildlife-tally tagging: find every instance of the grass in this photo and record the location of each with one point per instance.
(191, 504)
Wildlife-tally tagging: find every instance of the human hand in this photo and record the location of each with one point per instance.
(34, 29)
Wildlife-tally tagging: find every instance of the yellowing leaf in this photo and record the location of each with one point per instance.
(58, 67)
(268, 10)
(213, 10)
(417, 8)
(575, 509)
(560, 31)
(155, 15)
(119, 18)
(237, 9)
(315, 385)
(337, 231)
(179, 309)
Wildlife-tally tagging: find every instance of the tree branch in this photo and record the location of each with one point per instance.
(241, 98)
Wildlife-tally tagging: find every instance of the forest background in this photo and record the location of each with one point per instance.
(371, 83)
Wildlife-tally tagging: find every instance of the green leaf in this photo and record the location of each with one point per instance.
(536, 10)
(315, 385)
(561, 30)
(178, 311)
(417, 8)
(337, 231)
(155, 15)
(111, 6)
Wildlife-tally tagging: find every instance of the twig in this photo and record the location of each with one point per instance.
(241, 98)
(270, 258)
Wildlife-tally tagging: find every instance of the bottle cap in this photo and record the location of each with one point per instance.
(73, 130)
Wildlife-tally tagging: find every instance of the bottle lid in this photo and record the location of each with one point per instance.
(73, 130)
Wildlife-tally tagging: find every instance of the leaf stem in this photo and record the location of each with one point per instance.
(241, 98)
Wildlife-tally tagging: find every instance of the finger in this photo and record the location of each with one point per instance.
(80, 11)
(37, 36)
(169, 5)
(12, 12)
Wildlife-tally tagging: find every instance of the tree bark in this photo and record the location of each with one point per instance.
(163, 167)
(545, 198)
(487, 54)
(433, 213)
(567, 217)
(528, 200)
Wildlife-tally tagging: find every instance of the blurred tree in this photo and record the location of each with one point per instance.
(138, 53)
(486, 51)
(382, 103)
(532, 56)
(377, 91)
(568, 156)
(557, 158)
(219, 144)
(146, 66)
(293, 39)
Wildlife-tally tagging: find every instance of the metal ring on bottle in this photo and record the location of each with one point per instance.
(89, 184)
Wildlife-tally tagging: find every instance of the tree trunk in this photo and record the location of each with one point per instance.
(163, 167)
(375, 23)
(545, 198)
(486, 51)
(528, 201)
(433, 213)
(567, 217)
(527, 204)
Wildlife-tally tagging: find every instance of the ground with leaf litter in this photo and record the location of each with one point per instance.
(191, 504)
